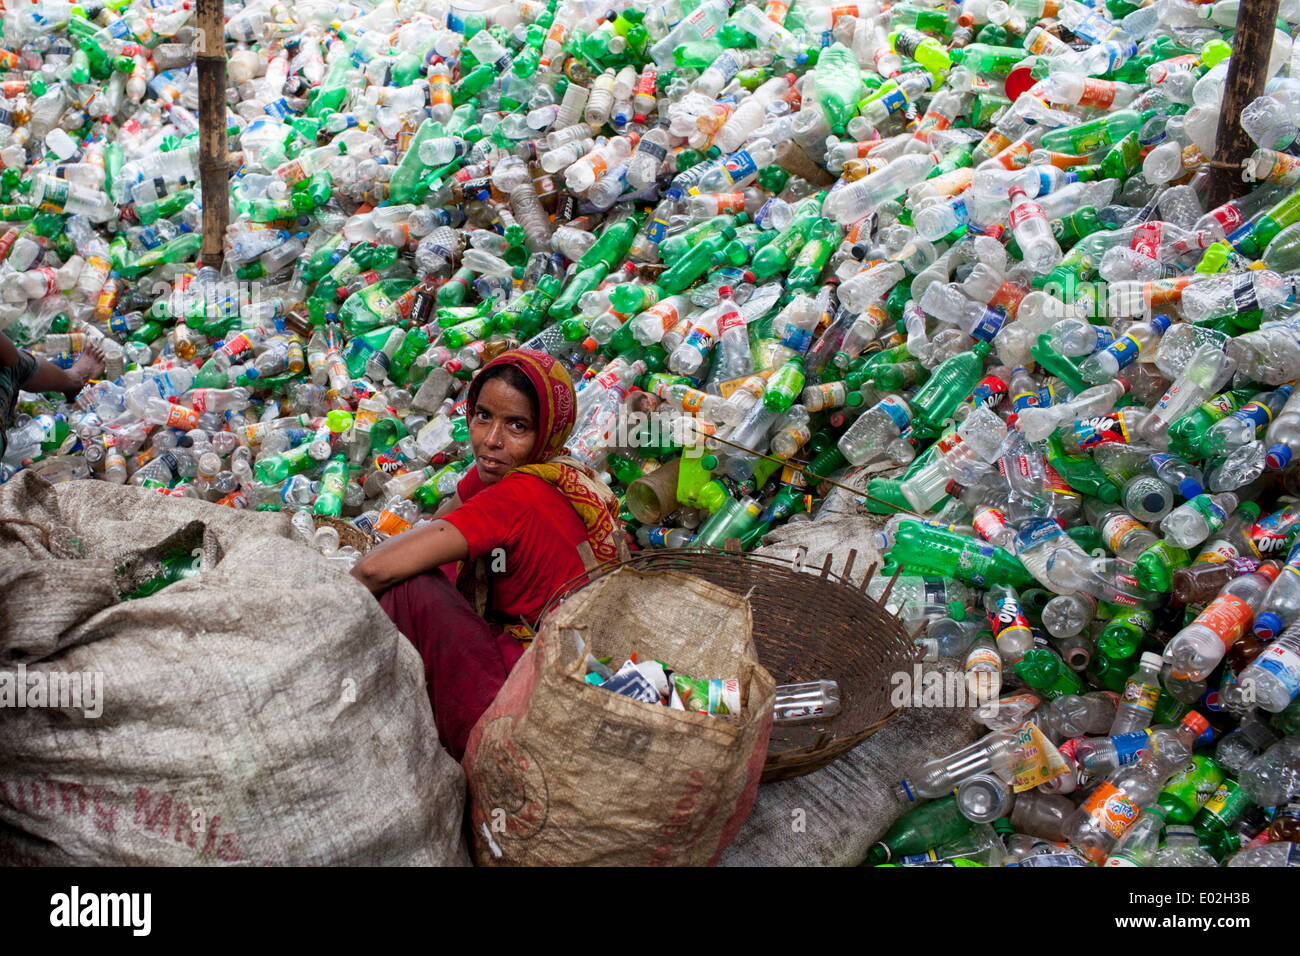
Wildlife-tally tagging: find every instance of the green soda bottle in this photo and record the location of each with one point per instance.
(1214, 822)
(1190, 789)
(1095, 134)
(1042, 669)
(694, 263)
(946, 388)
(942, 553)
(1188, 435)
(280, 468)
(333, 482)
(373, 306)
(1155, 567)
(785, 387)
(929, 825)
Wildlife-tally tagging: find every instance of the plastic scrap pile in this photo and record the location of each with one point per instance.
(774, 243)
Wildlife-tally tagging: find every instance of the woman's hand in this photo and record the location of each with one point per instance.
(427, 546)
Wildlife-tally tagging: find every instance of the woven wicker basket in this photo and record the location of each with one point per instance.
(807, 626)
(350, 536)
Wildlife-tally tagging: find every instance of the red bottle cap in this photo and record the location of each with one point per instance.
(1018, 80)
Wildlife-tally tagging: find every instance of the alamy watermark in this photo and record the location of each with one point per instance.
(62, 690)
(921, 687)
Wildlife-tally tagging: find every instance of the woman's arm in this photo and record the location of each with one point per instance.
(423, 548)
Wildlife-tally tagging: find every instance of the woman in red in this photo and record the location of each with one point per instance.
(524, 520)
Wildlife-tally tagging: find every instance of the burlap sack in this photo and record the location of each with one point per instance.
(564, 773)
(264, 711)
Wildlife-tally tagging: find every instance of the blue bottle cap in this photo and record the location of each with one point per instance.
(1153, 502)
(1267, 625)
(1190, 488)
(1279, 456)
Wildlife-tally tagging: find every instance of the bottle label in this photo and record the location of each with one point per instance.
(1037, 760)
(797, 339)
(1125, 350)
(989, 392)
(1227, 803)
(178, 416)
(928, 856)
(1227, 616)
(1208, 509)
(1111, 809)
(1140, 696)
(989, 325)
(739, 166)
(989, 522)
(1008, 620)
(895, 101)
(1054, 859)
(1284, 664)
(1272, 534)
(982, 657)
(1129, 748)
(1035, 532)
(1097, 93)
(1244, 296)
(699, 339)
(1117, 528)
(1025, 211)
(896, 411)
(1022, 400)
(1196, 783)
(1146, 239)
(1101, 429)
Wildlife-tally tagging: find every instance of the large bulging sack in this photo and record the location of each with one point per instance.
(261, 711)
(565, 773)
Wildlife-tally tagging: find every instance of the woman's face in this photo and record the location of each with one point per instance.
(502, 430)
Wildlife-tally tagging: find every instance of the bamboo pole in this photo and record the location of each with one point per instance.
(1251, 46)
(214, 173)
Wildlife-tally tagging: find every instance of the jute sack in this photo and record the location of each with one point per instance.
(264, 711)
(565, 773)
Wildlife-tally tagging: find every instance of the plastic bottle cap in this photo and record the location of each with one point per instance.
(1196, 722)
(1267, 624)
(1151, 659)
(724, 291)
(1251, 508)
(1279, 456)
(1189, 488)
(338, 420)
(854, 399)
(1153, 501)
(957, 610)
(709, 462)
(1018, 81)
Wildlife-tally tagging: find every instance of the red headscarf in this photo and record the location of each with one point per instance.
(556, 400)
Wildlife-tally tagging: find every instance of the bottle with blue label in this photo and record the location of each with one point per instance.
(1140, 337)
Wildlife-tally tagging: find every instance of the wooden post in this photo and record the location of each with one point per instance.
(1251, 46)
(214, 174)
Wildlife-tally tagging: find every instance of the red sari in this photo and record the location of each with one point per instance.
(537, 528)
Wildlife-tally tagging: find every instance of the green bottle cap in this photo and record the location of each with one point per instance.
(338, 420)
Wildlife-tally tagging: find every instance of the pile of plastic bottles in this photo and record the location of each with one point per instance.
(774, 243)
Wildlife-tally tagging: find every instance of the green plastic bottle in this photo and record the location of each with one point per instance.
(333, 482)
(929, 825)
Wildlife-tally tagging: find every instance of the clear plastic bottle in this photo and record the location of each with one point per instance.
(1199, 647)
(1141, 692)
